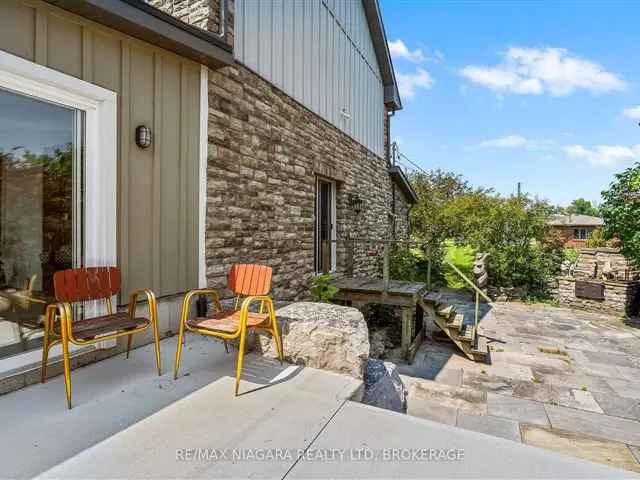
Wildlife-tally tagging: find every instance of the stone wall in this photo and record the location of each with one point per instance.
(265, 151)
(621, 298)
(591, 260)
(204, 14)
(402, 208)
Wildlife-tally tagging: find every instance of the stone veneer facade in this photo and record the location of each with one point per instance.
(265, 152)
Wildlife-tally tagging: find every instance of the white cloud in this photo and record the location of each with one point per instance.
(399, 50)
(604, 155)
(408, 83)
(517, 141)
(510, 141)
(533, 71)
(632, 112)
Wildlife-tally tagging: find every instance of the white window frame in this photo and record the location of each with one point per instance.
(202, 173)
(100, 161)
(334, 217)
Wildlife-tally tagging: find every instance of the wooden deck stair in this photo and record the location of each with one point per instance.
(452, 323)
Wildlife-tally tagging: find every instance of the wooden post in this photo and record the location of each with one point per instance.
(326, 256)
(350, 250)
(477, 312)
(428, 252)
(407, 320)
(385, 267)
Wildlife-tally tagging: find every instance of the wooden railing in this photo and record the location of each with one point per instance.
(326, 248)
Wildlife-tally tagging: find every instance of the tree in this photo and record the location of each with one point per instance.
(515, 234)
(435, 190)
(580, 206)
(621, 211)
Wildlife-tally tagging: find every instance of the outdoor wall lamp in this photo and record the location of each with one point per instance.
(143, 136)
(355, 202)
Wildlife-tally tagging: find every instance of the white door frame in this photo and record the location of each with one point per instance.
(100, 160)
(333, 219)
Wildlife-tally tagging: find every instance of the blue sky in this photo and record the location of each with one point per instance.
(544, 93)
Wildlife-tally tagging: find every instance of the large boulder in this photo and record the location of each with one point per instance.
(321, 335)
(383, 386)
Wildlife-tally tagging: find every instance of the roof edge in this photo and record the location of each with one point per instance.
(152, 25)
(398, 176)
(379, 38)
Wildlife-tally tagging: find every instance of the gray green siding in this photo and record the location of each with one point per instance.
(320, 53)
(157, 187)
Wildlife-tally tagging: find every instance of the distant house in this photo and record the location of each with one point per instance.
(575, 229)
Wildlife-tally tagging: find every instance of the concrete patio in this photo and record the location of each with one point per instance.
(560, 379)
(127, 422)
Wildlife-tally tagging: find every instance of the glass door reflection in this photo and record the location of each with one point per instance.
(41, 145)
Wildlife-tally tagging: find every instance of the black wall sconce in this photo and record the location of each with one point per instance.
(355, 203)
(143, 136)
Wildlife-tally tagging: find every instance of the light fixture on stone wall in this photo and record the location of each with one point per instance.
(355, 203)
(143, 136)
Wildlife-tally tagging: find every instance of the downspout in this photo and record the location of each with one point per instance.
(389, 164)
(223, 20)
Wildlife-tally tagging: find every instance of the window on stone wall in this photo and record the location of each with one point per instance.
(580, 234)
(325, 228)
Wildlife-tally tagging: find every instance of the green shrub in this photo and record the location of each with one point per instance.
(513, 231)
(412, 265)
(621, 212)
(322, 290)
(462, 257)
(571, 254)
(597, 239)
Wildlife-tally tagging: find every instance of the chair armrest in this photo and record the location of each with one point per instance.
(151, 300)
(246, 303)
(62, 310)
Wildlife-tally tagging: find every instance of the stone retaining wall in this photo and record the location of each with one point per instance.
(590, 258)
(621, 298)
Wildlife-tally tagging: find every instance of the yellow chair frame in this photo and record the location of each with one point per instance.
(63, 311)
(271, 326)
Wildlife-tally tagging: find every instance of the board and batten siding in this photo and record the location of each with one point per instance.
(320, 53)
(158, 186)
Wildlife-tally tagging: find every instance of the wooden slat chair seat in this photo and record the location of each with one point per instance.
(250, 281)
(229, 321)
(79, 285)
(105, 324)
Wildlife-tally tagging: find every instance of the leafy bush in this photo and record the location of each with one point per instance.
(322, 290)
(597, 239)
(513, 231)
(412, 265)
(462, 257)
(571, 254)
(522, 251)
(621, 212)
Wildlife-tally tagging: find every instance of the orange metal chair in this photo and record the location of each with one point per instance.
(252, 281)
(78, 285)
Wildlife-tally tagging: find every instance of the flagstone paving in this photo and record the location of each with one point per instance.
(558, 378)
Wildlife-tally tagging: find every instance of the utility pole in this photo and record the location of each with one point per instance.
(519, 190)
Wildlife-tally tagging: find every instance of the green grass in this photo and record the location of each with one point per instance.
(462, 257)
